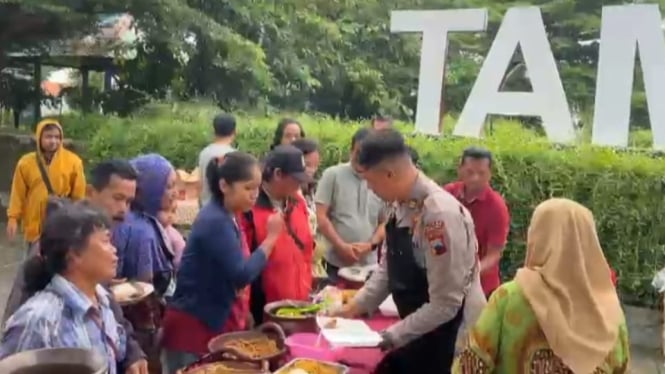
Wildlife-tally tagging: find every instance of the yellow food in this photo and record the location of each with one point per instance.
(311, 367)
(348, 295)
(255, 349)
(297, 371)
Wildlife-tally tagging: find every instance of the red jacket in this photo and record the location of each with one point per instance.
(288, 274)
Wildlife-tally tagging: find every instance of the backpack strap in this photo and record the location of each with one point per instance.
(44, 173)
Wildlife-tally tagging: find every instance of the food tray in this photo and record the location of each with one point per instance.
(340, 369)
(207, 362)
(269, 329)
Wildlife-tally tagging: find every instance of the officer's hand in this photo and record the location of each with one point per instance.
(362, 248)
(348, 254)
(349, 310)
(386, 343)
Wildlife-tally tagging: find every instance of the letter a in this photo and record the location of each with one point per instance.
(524, 27)
(624, 29)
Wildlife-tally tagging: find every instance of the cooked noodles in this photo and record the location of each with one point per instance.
(254, 348)
(221, 368)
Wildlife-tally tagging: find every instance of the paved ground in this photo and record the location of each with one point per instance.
(642, 324)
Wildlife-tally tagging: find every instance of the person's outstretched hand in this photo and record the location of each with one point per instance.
(275, 224)
(349, 310)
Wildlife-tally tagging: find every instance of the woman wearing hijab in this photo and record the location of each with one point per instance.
(144, 249)
(561, 313)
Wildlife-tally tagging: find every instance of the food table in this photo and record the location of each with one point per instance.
(359, 360)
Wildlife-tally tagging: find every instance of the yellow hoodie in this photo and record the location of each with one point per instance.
(29, 195)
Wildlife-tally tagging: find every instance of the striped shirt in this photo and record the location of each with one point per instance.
(61, 316)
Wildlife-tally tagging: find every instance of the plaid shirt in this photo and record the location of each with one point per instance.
(61, 316)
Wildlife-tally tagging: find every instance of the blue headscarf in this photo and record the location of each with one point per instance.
(153, 174)
(140, 238)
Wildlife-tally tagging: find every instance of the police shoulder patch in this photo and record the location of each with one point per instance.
(435, 234)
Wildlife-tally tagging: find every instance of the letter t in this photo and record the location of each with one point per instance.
(435, 26)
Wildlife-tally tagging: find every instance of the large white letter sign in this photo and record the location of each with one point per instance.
(524, 27)
(622, 30)
(435, 26)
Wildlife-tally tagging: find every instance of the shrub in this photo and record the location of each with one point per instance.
(623, 189)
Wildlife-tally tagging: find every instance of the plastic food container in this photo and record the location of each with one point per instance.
(212, 361)
(270, 330)
(304, 345)
(286, 369)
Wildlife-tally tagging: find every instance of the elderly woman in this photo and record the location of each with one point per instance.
(71, 308)
(144, 249)
(561, 313)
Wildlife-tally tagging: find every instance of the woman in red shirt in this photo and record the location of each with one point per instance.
(288, 274)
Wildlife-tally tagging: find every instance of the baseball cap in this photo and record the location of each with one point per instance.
(290, 160)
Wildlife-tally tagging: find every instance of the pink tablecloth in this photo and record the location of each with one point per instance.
(364, 360)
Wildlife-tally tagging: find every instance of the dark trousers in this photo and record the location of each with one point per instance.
(432, 353)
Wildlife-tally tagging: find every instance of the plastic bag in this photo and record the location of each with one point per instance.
(332, 299)
(658, 281)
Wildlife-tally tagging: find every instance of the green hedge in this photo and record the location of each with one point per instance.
(625, 190)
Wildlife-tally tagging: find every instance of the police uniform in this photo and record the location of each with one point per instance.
(429, 268)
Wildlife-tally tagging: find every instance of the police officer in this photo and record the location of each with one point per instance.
(430, 263)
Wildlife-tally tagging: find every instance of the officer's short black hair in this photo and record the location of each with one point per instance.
(476, 153)
(382, 145)
(224, 125)
(359, 136)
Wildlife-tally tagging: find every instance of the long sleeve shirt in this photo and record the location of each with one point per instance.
(445, 245)
(61, 316)
(214, 267)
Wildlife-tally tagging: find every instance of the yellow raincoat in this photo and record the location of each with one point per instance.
(29, 195)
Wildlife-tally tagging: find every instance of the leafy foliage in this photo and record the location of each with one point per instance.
(337, 57)
(625, 190)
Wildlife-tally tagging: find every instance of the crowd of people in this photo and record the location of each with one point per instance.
(255, 241)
